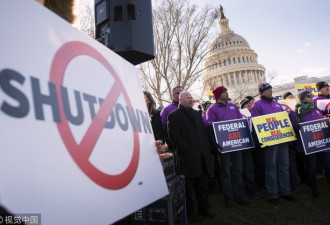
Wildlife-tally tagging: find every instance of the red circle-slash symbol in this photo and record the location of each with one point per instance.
(327, 108)
(286, 107)
(81, 152)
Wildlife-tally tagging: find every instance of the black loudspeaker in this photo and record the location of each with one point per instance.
(170, 210)
(125, 26)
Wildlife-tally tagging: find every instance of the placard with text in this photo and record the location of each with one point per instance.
(315, 135)
(273, 129)
(77, 146)
(233, 135)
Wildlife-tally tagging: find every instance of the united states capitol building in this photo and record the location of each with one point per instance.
(232, 63)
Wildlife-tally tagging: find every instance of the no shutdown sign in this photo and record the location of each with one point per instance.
(76, 141)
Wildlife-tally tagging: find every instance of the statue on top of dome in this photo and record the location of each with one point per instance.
(222, 15)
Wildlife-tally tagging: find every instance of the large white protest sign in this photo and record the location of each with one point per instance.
(324, 106)
(76, 141)
(288, 105)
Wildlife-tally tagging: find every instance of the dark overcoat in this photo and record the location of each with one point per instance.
(186, 131)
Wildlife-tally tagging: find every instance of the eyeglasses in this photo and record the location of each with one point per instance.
(177, 93)
(309, 96)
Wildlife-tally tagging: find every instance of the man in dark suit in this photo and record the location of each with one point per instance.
(186, 132)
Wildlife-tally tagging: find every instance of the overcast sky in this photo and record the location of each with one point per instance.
(291, 37)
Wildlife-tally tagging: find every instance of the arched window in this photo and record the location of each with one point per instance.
(243, 59)
(224, 62)
(239, 59)
(234, 60)
(229, 62)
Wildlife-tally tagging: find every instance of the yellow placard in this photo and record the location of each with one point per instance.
(273, 129)
(307, 87)
(210, 97)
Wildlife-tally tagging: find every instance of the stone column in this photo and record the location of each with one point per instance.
(223, 80)
(235, 81)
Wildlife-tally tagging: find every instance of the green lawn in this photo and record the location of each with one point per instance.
(306, 210)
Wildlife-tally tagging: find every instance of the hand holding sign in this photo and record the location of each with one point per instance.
(161, 150)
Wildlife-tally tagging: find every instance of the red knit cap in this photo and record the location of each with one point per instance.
(217, 91)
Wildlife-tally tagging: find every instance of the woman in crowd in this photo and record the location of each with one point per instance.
(307, 111)
(157, 127)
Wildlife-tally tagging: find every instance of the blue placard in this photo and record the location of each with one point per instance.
(315, 135)
(233, 135)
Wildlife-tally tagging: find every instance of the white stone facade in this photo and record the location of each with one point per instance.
(232, 63)
(279, 90)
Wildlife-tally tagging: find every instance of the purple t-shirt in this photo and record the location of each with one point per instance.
(167, 110)
(219, 112)
(320, 97)
(264, 107)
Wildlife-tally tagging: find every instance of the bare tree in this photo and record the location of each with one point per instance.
(181, 45)
(271, 76)
(86, 19)
(242, 90)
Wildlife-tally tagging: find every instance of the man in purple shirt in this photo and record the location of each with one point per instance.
(171, 107)
(230, 162)
(276, 156)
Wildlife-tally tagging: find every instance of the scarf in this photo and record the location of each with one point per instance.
(302, 109)
(267, 99)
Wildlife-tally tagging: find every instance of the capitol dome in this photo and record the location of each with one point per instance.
(232, 63)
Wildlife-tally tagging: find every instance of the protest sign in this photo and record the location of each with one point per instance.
(307, 87)
(324, 106)
(233, 135)
(245, 113)
(315, 135)
(288, 105)
(76, 140)
(273, 129)
(210, 97)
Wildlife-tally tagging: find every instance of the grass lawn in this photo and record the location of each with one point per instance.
(306, 210)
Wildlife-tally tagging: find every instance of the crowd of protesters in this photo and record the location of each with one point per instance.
(241, 174)
(189, 136)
